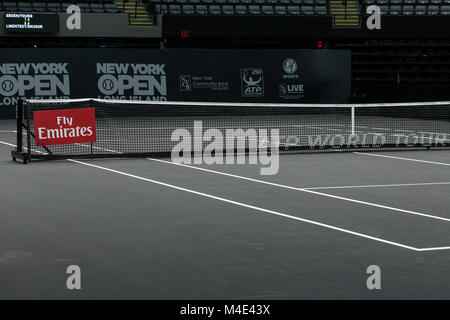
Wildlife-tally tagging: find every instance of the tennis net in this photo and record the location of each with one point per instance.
(154, 128)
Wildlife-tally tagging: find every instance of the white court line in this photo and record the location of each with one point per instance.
(8, 144)
(362, 235)
(382, 185)
(307, 190)
(401, 158)
(8, 131)
(433, 249)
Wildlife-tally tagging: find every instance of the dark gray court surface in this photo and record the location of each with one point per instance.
(205, 235)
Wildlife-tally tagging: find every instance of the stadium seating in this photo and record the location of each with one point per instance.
(236, 7)
(293, 7)
(86, 6)
(411, 7)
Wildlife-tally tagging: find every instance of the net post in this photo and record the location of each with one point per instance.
(27, 118)
(19, 128)
(353, 120)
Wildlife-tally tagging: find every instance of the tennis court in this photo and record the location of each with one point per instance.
(148, 228)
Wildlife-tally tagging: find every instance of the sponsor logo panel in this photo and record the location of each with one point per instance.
(129, 81)
(202, 82)
(290, 88)
(252, 82)
(33, 80)
(66, 126)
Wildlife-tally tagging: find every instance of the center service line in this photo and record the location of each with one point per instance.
(307, 190)
(401, 158)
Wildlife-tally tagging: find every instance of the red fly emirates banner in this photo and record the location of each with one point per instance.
(68, 126)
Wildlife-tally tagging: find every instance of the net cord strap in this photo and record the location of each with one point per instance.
(239, 104)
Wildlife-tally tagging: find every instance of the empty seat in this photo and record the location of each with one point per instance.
(84, 7)
(214, 9)
(394, 10)
(408, 10)
(294, 10)
(201, 9)
(111, 8)
(10, 6)
(97, 8)
(267, 10)
(280, 10)
(54, 7)
(307, 10)
(164, 8)
(228, 10)
(421, 10)
(241, 9)
(188, 9)
(255, 10)
(39, 6)
(24, 6)
(433, 10)
(320, 10)
(384, 9)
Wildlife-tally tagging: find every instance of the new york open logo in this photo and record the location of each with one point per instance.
(107, 85)
(7, 86)
(33, 80)
(132, 81)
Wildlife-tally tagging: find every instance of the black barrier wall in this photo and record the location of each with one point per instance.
(297, 76)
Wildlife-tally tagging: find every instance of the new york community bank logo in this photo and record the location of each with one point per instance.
(252, 82)
(132, 81)
(185, 83)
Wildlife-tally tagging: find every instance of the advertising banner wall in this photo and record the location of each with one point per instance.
(297, 76)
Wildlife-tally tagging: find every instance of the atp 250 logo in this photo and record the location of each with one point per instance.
(252, 82)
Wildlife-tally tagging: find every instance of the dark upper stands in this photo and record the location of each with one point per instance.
(411, 7)
(242, 7)
(89, 6)
(294, 7)
(237, 7)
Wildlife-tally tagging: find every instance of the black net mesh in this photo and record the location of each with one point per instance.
(126, 129)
